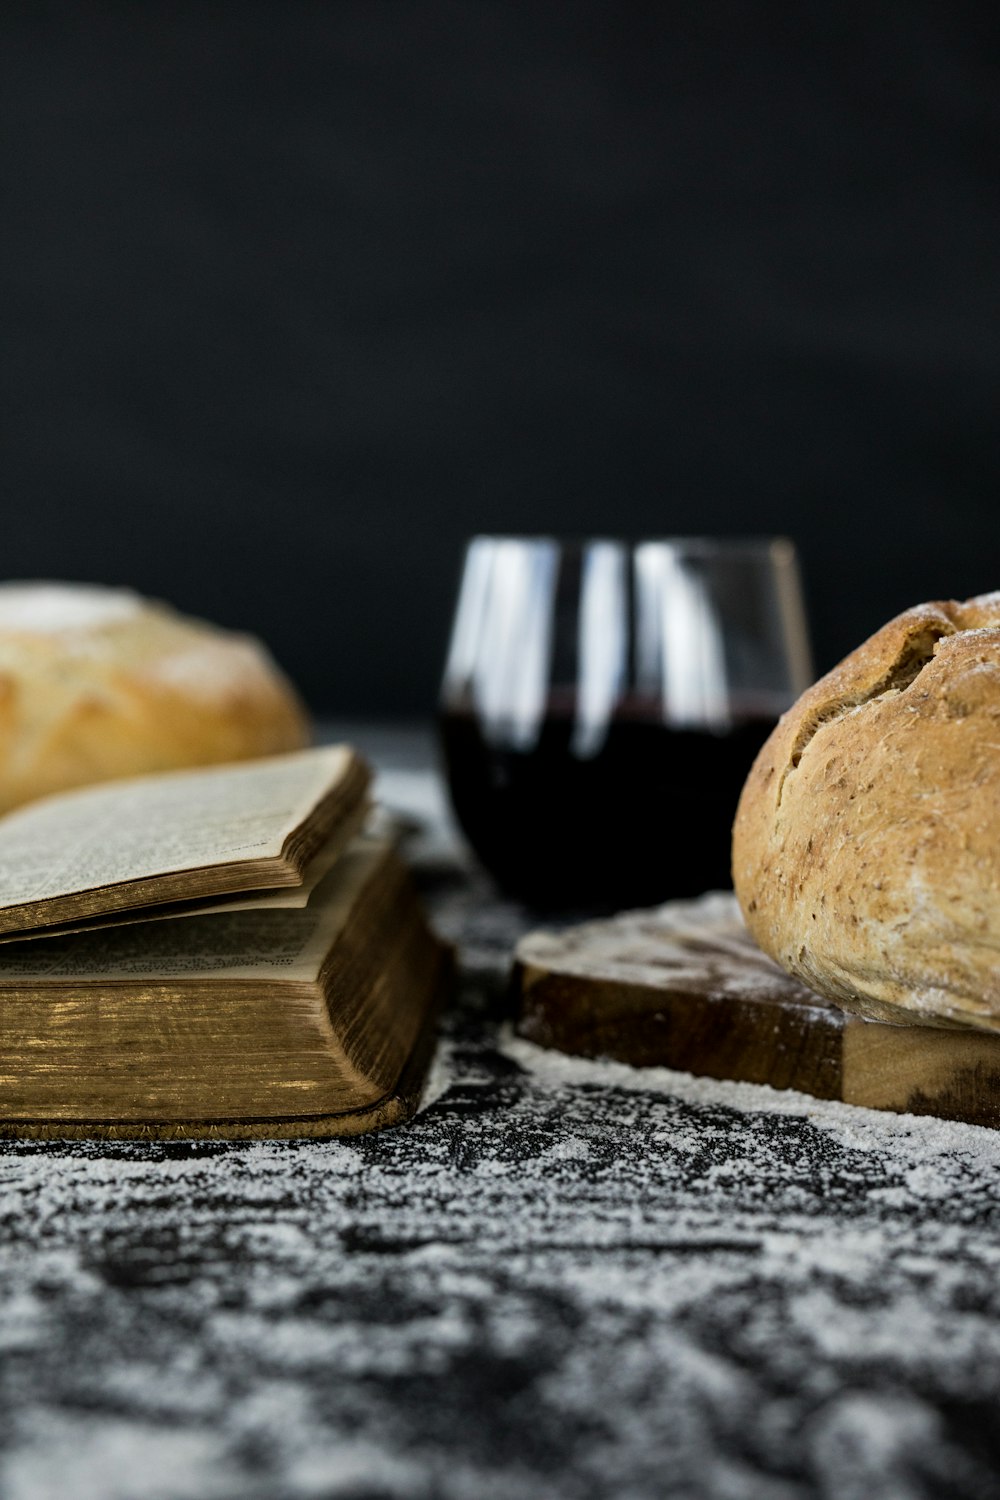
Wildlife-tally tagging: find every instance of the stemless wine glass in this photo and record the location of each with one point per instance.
(603, 702)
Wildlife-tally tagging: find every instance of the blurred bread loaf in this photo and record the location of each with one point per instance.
(866, 848)
(97, 683)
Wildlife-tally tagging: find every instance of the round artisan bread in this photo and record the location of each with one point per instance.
(866, 847)
(97, 683)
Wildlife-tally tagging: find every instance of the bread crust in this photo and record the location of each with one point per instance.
(866, 846)
(99, 683)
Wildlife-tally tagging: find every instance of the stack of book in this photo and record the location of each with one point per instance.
(218, 952)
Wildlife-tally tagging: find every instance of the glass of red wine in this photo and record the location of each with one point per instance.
(603, 702)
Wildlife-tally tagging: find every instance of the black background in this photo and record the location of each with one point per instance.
(297, 296)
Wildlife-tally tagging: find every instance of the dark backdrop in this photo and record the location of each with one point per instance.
(296, 296)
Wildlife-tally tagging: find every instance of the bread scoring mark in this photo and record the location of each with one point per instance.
(916, 651)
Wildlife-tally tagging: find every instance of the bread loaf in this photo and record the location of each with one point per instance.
(97, 683)
(866, 847)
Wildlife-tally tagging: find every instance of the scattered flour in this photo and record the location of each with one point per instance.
(565, 1279)
(54, 608)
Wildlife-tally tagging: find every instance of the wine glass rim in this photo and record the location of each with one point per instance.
(692, 543)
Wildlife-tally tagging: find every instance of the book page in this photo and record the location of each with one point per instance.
(280, 943)
(149, 826)
(314, 873)
(263, 899)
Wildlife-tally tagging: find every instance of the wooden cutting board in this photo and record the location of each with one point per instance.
(683, 986)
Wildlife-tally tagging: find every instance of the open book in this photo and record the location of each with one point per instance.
(189, 837)
(213, 952)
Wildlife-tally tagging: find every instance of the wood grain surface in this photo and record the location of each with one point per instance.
(683, 986)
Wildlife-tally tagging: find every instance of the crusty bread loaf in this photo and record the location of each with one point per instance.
(97, 683)
(866, 848)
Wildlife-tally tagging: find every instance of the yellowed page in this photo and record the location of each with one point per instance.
(316, 871)
(288, 944)
(257, 900)
(151, 826)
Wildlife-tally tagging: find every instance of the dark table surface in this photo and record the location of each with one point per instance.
(562, 1279)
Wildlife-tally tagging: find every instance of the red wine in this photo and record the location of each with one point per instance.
(646, 818)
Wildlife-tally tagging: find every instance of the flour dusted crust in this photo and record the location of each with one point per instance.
(866, 848)
(97, 683)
